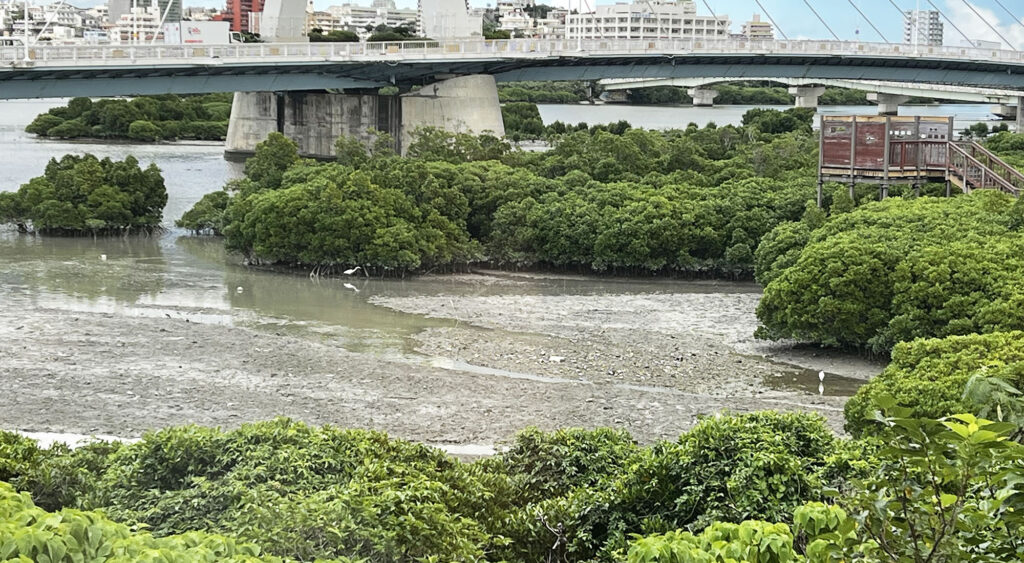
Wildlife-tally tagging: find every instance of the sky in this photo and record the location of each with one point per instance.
(799, 22)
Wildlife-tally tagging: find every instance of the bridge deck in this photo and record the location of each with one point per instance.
(61, 70)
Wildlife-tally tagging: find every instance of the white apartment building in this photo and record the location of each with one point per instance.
(758, 30)
(647, 20)
(353, 17)
(140, 24)
(922, 27)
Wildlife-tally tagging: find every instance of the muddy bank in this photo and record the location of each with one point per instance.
(115, 374)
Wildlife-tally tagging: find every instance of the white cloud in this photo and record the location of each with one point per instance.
(975, 28)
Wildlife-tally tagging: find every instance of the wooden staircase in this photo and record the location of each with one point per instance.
(970, 166)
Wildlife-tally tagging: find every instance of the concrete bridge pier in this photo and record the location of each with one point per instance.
(888, 104)
(315, 120)
(1020, 115)
(806, 96)
(702, 97)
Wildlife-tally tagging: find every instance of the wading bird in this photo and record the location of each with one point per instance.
(351, 271)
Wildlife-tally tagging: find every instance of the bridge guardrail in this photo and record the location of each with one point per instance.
(57, 55)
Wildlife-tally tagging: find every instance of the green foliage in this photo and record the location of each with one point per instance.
(902, 269)
(545, 465)
(334, 36)
(607, 198)
(145, 118)
(774, 122)
(143, 131)
(82, 194)
(945, 490)
(522, 120)
(270, 160)
(207, 215)
(751, 541)
(543, 92)
(733, 468)
(928, 376)
(28, 533)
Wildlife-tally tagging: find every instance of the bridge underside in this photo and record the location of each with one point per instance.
(114, 79)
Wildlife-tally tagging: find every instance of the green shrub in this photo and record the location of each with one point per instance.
(42, 124)
(143, 131)
(900, 269)
(207, 215)
(82, 194)
(28, 533)
(927, 376)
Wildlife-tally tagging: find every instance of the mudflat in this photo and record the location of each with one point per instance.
(649, 363)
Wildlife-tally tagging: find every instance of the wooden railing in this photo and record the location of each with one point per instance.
(973, 167)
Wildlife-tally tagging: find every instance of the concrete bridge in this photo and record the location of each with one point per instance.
(887, 94)
(458, 76)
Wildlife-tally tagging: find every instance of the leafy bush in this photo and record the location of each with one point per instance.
(28, 533)
(207, 215)
(899, 269)
(82, 194)
(927, 376)
(733, 468)
(143, 131)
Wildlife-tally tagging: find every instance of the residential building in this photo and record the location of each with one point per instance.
(922, 27)
(647, 20)
(448, 19)
(240, 14)
(756, 29)
(139, 25)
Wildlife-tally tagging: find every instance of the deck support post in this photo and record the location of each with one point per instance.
(949, 188)
(821, 196)
(883, 191)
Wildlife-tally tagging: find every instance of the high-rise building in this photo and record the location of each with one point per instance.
(238, 13)
(758, 30)
(922, 27)
(647, 20)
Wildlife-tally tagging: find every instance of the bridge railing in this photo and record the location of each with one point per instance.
(55, 55)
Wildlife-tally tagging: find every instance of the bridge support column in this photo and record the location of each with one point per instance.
(315, 120)
(702, 97)
(464, 104)
(806, 96)
(1020, 115)
(888, 104)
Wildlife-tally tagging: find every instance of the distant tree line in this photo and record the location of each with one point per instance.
(144, 118)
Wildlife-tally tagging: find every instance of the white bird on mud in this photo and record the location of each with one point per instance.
(351, 271)
(350, 286)
(239, 289)
(821, 375)
(103, 257)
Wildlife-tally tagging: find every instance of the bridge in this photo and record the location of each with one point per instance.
(88, 70)
(281, 86)
(888, 95)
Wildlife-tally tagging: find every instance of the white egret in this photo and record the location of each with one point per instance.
(103, 257)
(351, 271)
(821, 375)
(239, 289)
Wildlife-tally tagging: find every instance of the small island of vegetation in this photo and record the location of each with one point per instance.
(143, 119)
(83, 195)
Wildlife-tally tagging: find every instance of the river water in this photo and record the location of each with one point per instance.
(50, 284)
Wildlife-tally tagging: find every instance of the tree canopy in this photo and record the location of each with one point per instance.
(85, 195)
